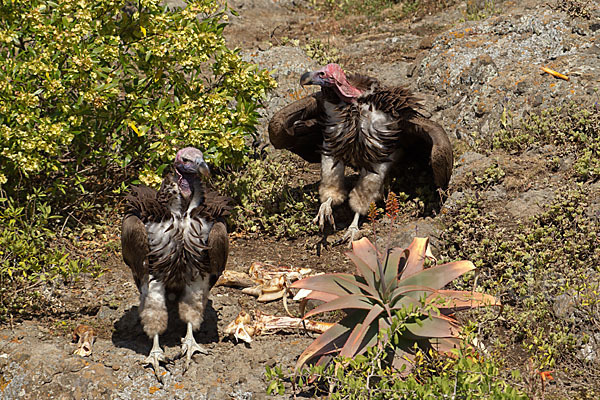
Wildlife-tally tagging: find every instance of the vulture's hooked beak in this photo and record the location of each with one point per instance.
(202, 167)
(307, 78)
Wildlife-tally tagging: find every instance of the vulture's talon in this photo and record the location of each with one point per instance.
(325, 214)
(351, 235)
(189, 347)
(154, 359)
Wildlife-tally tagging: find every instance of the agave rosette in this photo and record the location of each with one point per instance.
(385, 284)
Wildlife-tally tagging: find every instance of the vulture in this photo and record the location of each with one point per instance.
(175, 242)
(355, 121)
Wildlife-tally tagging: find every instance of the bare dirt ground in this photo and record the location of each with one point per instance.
(435, 52)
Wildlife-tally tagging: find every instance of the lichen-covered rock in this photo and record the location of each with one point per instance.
(479, 71)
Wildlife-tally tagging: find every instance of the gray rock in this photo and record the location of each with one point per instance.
(529, 203)
(564, 306)
(588, 353)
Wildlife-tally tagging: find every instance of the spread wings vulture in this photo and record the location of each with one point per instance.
(175, 242)
(355, 121)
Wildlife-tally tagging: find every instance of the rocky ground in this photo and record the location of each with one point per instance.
(477, 66)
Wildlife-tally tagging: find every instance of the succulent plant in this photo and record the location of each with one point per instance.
(385, 285)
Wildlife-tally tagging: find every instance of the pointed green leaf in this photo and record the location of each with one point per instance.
(445, 345)
(338, 284)
(329, 283)
(356, 338)
(316, 295)
(366, 251)
(328, 341)
(405, 301)
(392, 262)
(434, 326)
(439, 276)
(353, 301)
(416, 257)
(404, 289)
(363, 269)
(457, 300)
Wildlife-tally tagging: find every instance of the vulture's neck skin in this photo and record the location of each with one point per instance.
(190, 187)
(345, 91)
(345, 98)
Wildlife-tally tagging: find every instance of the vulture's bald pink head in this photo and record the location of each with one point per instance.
(333, 76)
(189, 164)
(190, 160)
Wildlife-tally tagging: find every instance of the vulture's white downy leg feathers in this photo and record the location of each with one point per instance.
(368, 190)
(331, 190)
(154, 317)
(191, 310)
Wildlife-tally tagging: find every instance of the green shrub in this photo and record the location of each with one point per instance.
(27, 256)
(95, 94)
(90, 87)
(465, 375)
(268, 199)
(530, 264)
(573, 130)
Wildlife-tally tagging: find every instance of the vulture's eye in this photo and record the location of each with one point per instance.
(321, 74)
(185, 159)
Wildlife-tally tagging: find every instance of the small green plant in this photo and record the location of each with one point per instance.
(477, 10)
(267, 200)
(491, 176)
(387, 284)
(26, 258)
(571, 129)
(575, 8)
(322, 53)
(90, 87)
(548, 309)
(466, 374)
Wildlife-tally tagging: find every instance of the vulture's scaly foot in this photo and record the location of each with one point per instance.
(352, 232)
(189, 346)
(155, 357)
(325, 214)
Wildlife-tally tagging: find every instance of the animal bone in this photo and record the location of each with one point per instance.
(265, 281)
(85, 336)
(243, 328)
(235, 279)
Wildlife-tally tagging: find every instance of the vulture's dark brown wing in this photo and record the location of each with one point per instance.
(218, 249)
(142, 206)
(422, 138)
(134, 242)
(430, 142)
(297, 128)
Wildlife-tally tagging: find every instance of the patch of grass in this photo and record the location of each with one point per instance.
(575, 8)
(544, 270)
(478, 10)
(269, 199)
(28, 255)
(323, 53)
(467, 375)
(572, 130)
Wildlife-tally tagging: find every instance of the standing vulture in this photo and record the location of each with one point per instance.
(355, 121)
(175, 242)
